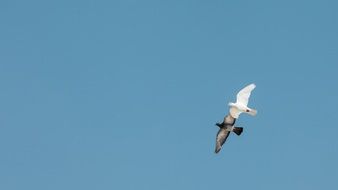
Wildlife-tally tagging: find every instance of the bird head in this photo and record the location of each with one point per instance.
(218, 124)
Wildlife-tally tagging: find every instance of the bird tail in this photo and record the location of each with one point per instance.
(252, 112)
(238, 130)
(217, 149)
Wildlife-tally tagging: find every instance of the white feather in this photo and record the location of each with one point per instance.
(241, 104)
(234, 112)
(244, 94)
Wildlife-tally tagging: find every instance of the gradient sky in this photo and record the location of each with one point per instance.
(124, 95)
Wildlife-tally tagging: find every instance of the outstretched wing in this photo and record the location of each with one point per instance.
(221, 137)
(244, 94)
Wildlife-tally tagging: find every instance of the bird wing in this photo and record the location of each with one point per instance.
(244, 94)
(228, 119)
(234, 112)
(221, 137)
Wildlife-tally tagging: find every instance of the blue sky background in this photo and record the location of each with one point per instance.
(125, 94)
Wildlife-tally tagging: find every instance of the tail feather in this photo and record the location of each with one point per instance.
(252, 112)
(217, 149)
(238, 130)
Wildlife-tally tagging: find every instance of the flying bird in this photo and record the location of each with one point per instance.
(241, 104)
(225, 128)
(228, 124)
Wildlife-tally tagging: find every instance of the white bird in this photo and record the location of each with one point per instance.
(241, 104)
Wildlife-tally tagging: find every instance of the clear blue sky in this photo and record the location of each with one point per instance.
(124, 94)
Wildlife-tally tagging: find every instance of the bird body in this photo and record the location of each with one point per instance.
(226, 127)
(241, 104)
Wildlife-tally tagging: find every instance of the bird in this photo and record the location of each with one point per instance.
(225, 128)
(228, 124)
(241, 104)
